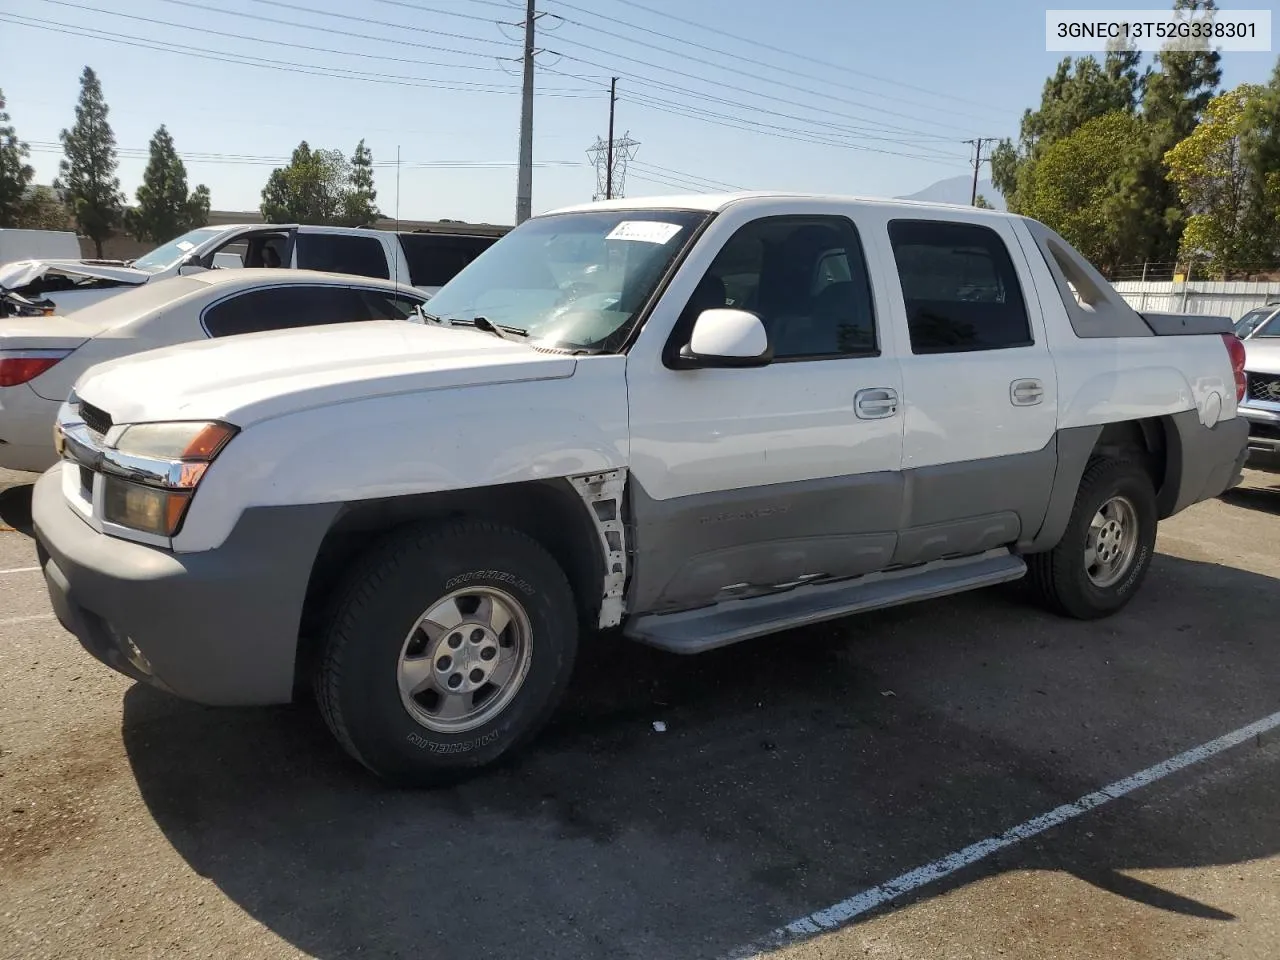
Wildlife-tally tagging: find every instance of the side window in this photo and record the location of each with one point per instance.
(382, 305)
(436, 258)
(960, 287)
(805, 277)
(341, 253)
(281, 308)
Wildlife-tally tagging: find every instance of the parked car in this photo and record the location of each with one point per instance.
(424, 260)
(1257, 322)
(902, 401)
(18, 244)
(41, 357)
(1261, 405)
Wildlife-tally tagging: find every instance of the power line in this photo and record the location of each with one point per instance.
(692, 178)
(720, 52)
(738, 123)
(807, 57)
(252, 61)
(876, 127)
(300, 46)
(197, 156)
(820, 96)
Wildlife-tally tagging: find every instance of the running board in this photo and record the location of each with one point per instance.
(718, 625)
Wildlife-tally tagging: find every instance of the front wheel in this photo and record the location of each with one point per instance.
(450, 646)
(1106, 549)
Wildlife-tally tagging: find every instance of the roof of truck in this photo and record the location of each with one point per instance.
(715, 202)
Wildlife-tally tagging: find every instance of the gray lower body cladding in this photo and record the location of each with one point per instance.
(218, 627)
(736, 543)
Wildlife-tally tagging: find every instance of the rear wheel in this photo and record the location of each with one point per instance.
(1106, 550)
(450, 646)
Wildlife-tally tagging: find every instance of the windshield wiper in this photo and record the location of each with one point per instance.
(487, 325)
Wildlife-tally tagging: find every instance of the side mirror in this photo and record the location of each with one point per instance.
(727, 338)
(190, 264)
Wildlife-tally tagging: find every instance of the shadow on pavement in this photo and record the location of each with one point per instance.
(796, 770)
(15, 507)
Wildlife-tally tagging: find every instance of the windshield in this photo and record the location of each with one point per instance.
(1248, 324)
(162, 258)
(575, 280)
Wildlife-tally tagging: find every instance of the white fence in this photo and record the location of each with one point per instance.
(1218, 298)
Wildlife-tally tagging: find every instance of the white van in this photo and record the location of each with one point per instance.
(38, 245)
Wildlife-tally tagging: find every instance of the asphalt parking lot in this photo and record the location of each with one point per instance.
(795, 772)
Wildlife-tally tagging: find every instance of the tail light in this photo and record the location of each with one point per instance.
(19, 366)
(1235, 349)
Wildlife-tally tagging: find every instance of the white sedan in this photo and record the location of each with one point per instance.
(42, 357)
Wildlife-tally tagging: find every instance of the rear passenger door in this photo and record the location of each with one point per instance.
(979, 387)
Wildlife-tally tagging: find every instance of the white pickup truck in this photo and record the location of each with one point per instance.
(699, 419)
(424, 259)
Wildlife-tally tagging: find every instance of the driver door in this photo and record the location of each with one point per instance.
(751, 480)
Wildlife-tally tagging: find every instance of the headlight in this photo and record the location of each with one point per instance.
(149, 509)
(198, 440)
(151, 473)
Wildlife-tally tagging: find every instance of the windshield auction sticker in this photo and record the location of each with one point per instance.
(1096, 31)
(644, 231)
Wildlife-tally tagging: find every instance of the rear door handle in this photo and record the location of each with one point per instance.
(1026, 393)
(875, 403)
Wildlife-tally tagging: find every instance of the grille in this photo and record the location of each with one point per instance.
(99, 421)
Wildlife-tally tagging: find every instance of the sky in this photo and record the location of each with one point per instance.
(842, 96)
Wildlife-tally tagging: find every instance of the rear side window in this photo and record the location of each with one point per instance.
(282, 308)
(960, 287)
(339, 253)
(436, 258)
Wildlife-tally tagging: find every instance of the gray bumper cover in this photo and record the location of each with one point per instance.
(218, 627)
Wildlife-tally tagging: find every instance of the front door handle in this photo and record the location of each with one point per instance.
(1026, 393)
(875, 403)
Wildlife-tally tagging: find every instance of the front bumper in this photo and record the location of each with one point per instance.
(1264, 426)
(218, 627)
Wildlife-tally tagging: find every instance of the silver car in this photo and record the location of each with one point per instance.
(1260, 330)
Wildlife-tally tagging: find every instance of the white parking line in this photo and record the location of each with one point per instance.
(843, 912)
(19, 570)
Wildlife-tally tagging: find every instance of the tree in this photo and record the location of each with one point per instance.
(1074, 187)
(358, 206)
(981, 203)
(43, 209)
(88, 177)
(165, 209)
(1232, 205)
(311, 189)
(15, 172)
(1078, 92)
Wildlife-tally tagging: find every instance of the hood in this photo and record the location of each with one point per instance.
(1262, 355)
(22, 272)
(257, 376)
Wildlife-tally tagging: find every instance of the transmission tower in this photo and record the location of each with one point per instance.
(623, 150)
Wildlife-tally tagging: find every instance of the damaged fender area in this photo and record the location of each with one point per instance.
(603, 495)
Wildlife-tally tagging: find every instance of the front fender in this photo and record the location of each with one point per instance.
(425, 442)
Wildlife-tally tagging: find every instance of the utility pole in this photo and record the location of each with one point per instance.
(613, 101)
(977, 164)
(524, 178)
